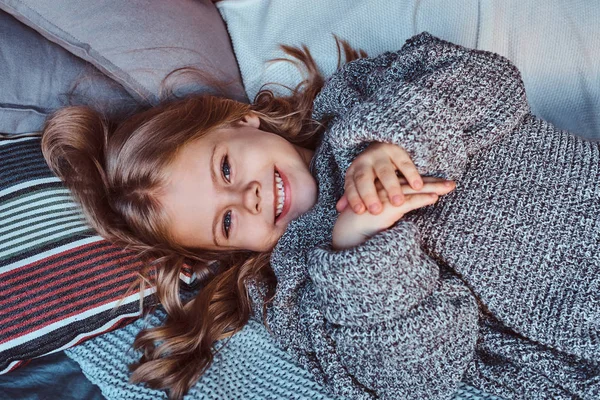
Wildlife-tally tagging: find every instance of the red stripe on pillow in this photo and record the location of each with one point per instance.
(91, 283)
(44, 265)
(105, 268)
(77, 307)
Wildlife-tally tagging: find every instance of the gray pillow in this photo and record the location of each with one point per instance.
(139, 42)
(38, 76)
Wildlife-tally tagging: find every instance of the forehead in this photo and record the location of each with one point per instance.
(188, 196)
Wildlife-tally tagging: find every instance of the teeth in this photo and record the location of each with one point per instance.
(280, 194)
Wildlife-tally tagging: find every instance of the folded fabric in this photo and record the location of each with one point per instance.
(46, 378)
(137, 43)
(113, 55)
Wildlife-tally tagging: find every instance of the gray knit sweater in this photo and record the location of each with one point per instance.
(497, 284)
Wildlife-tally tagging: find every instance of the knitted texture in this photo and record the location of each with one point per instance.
(248, 367)
(495, 285)
(521, 231)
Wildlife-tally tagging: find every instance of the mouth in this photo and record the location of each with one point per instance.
(282, 195)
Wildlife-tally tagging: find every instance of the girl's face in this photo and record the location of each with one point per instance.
(222, 190)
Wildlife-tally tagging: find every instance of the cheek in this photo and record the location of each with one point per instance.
(261, 237)
(254, 233)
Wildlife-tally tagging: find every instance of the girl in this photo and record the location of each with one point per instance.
(496, 284)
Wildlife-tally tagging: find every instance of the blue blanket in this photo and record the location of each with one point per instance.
(248, 366)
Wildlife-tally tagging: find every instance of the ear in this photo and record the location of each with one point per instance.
(251, 120)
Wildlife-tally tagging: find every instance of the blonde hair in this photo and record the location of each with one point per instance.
(114, 170)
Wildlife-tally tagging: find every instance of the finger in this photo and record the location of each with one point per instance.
(425, 179)
(382, 194)
(434, 179)
(431, 185)
(441, 188)
(342, 203)
(352, 197)
(403, 180)
(365, 186)
(416, 201)
(386, 175)
(407, 168)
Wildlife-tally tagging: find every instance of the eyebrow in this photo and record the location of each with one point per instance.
(213, 176)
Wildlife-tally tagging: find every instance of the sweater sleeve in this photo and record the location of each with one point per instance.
(439, 101)
(378, 280)
(401, 330)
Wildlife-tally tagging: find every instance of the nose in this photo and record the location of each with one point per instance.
(251, 197)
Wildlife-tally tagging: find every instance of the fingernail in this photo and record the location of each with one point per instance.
(374, 207)
(448, 183)
(358, 208)
(396, 199)
(417, 184)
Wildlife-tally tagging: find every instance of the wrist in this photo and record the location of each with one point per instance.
(347, 240)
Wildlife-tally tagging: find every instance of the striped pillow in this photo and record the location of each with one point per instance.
(60, 283)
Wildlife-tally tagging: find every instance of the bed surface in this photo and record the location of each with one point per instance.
(55, 376)
(556, 44)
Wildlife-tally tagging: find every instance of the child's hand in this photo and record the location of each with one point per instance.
(352, 229)
(385, 162)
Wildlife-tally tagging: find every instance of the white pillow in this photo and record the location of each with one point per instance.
(556, 45)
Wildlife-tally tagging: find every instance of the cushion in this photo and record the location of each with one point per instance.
(60, 284)
(555, 46)
(258, 27)
(138, 42)
(42, 77)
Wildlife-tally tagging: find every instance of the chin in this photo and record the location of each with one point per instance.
(271, 246)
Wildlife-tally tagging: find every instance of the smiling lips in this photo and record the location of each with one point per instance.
(282, 195)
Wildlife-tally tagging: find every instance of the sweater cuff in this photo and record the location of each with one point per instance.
(386, 275)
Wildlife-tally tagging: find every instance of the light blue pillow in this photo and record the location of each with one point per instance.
(555, 44)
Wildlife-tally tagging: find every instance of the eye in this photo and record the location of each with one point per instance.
(226, 168)
(227, 223)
